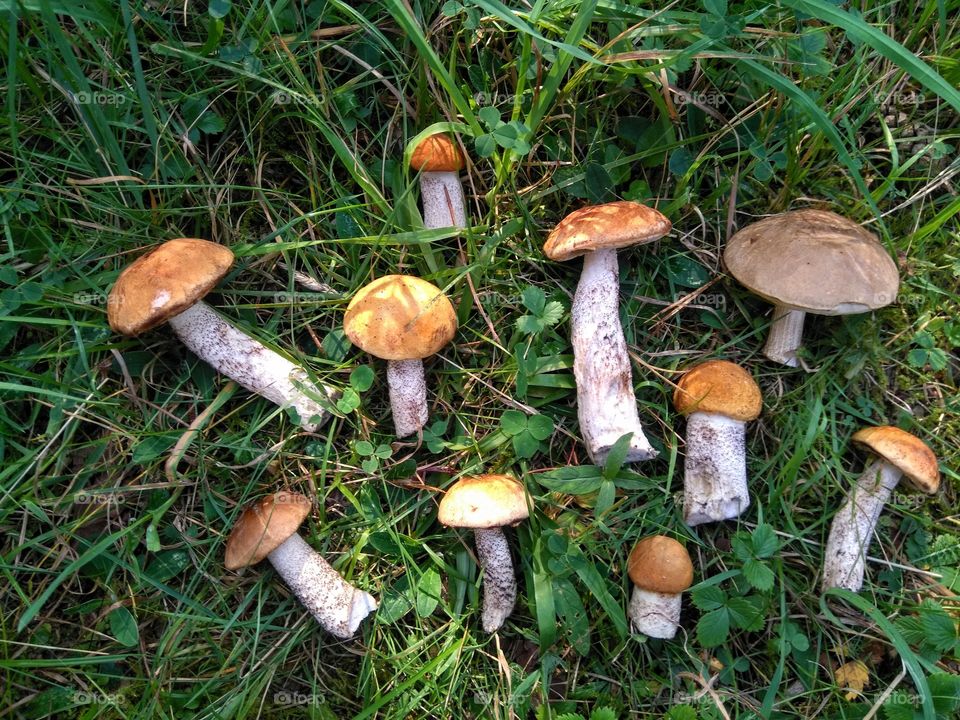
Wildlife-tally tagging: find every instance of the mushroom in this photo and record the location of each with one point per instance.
(606, 405)
(402, 319)
(810, 261)
(718, 398)
(898, 453)
(661, 570)
(485, 503)
(439, 161)
(268, 529)
(166, 285)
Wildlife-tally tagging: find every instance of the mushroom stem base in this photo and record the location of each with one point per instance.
(606, 405)
(408, 395)
(785, 336)
(443, 202)
(655, 614)
(336, 604)
(715, 469)
(250, 363)
(499, 584)
(844, 560)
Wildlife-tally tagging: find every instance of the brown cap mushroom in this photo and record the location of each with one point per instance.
(897, 453)
(268, 529)
(439, 161)
(661, 570)
(718, 398)
(485, 503)
(810, 261)
(402, 319)
(606, 405)
(437, 153)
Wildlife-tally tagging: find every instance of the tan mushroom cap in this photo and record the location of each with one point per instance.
(484, 501)
(263, 527)
(166, 281)
(612, 225)
(660, 564)
(907, 452)
(400, 317)
(718, 386)
(815, 261)
(437, 153)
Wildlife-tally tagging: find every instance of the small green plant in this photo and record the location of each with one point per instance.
(541, 314)
(526, 433)
(373, 455)
(508, 135)
(361, 380)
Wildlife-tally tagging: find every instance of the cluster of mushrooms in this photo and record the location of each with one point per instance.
(804, 261)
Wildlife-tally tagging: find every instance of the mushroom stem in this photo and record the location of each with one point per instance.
(499, 583)
(785, 335)
(251, 364)
(844, 560)
(336, 604)
(655, 614)
(443, 202)
(408, 395)
(715, 469)
(606, 405)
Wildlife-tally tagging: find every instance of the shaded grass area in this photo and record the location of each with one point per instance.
(279, 130)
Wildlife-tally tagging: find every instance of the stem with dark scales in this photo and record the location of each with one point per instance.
(443, 202)
(408, 395)
(499, 583)
(715, 469)
(655, 614)
(785, 336)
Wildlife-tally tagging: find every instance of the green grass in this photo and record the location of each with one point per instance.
(127, 124)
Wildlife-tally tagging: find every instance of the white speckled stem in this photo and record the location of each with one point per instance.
(844, 560)
(655, 614)
(785, 336)
(408, 395)
(715, 469)
(606, 405)
(443, 202)
(254, 366)
(336, 604)
(499, 583)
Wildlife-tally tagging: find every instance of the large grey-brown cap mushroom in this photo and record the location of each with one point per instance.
(486, 503)
(810, 261)
(661, 570)
(166, 285)
(268, 529)
(440, 161)
(606, 405)
(718, 398)
(897, 454)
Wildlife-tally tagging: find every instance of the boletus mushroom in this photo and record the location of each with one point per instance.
(485, 504)
(166, 285)
(718, 398)
(810, 261)
(606, 405)
(402, 319)
(268, 529)
(661, 570)
(439, 161)
(897, 454)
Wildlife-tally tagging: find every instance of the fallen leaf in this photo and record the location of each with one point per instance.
(853, 675)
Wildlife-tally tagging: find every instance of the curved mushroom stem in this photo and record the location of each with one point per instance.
(715, 469)
(655, 614)
(499, 583)
(606, 405)
(785, 336)
(408, 395)
(251, 364)
(336, 604)
(443, 202)
(844, 560)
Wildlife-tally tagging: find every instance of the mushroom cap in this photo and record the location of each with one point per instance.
(660, 564)
(718, 386)
(437, 153)
(815, 261)
(263, 527)
(907, 452)
(484, 501)
(597, 227)
(166, 281)
(400, 317)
